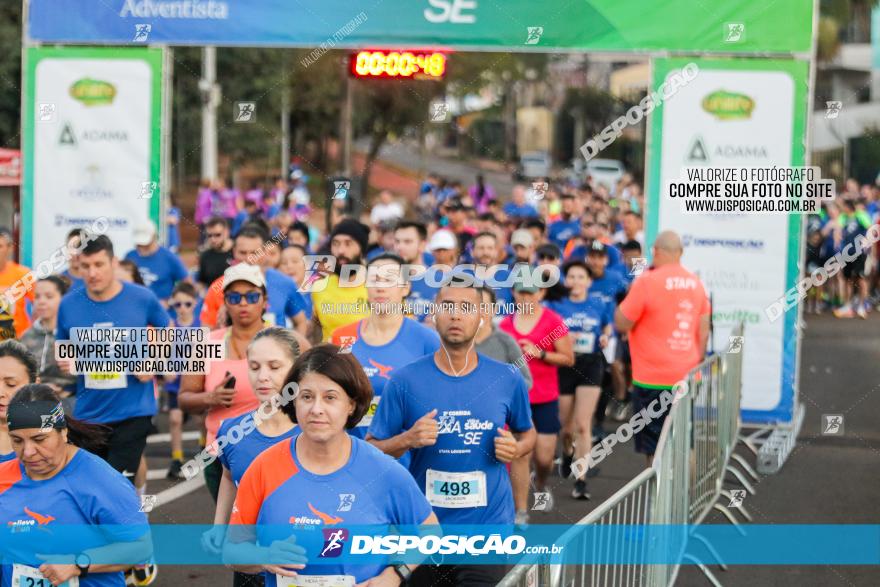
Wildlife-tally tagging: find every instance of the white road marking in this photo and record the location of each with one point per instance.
(179, 490)
(166, 437)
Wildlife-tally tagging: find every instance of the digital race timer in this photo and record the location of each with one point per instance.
(398, 64)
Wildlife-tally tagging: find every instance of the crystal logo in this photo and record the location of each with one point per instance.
(726, 105)
(92, 92)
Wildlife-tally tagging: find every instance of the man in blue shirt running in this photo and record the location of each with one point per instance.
(463, 417)
(124, 403)
(160, 268)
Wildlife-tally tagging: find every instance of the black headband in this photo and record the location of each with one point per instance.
(39, 414)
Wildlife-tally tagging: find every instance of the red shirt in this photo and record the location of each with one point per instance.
(666, 305)
(550, 327)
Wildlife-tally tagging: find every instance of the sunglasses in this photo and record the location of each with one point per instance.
(234, 298)
(186, 305)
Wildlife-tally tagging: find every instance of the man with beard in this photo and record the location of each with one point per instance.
(450, 409)
(340, 298)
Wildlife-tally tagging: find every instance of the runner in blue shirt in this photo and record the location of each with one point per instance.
(323, 478)
(18, 368)
(159, 267)
(125, 403)
(184, 302)
(56, 484)
(608, 284)
(172, 221)
(589, 320)
(450, 410)
(271, 355)
(386, 340)
(410, 240)
(568, 225)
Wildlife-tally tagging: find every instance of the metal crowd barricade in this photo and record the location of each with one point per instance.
(676, 492)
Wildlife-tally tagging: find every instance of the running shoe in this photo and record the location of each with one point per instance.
(141, 575)
(621, 411)
(565, 465)
(862, 313)
(175, 471)
(521, 520)
(580, 490)
(844, 312)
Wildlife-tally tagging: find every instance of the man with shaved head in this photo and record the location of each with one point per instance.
(666, 314)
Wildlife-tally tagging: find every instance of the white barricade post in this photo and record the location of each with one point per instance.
(675, 493)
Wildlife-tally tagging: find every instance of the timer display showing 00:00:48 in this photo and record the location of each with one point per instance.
(404, 64)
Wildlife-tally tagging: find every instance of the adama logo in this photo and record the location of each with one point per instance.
(321, 518)
(383, 369)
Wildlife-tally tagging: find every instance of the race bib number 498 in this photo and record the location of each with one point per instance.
(455, 490)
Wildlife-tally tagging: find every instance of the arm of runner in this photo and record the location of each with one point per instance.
(213, 539)
(194, 398)
(423, 433)
(389, 577)
(136, 550)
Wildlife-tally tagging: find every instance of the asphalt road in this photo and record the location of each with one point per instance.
(826, 480)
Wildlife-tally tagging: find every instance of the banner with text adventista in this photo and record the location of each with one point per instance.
(734, 26)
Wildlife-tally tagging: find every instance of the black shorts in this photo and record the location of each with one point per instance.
(172, 401)
(427, 575)
(546, 417)
(856, 267)
(126, 444)
(646, 440)
(587, 370)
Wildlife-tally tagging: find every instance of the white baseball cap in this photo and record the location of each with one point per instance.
(144, 233)
(522, 237)
(442, 239)
(243, 272)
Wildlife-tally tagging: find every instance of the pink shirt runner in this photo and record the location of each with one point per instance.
(244, 400)
(550, 327)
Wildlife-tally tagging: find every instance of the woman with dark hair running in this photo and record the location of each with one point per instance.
(270, 357)
(56, 482)
(17, 368)
(323, 476)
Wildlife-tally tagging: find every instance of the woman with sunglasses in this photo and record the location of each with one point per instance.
(183, 301)
(223, 391)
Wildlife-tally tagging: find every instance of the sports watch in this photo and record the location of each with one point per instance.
(83, 562)
(404, 572)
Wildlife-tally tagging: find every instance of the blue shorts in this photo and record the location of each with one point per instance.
(647, 438)
(172, 400)
(546, 417)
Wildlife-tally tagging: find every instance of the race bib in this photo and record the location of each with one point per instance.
(584, 342)
(371, 411)
(106, 380)
(25, 576)
(455, 490)
(315, 581)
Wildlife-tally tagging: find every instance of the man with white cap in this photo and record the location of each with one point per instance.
(160, 268)
(444, 246)
(523, 244)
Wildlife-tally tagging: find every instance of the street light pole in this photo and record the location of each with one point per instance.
(210, 99)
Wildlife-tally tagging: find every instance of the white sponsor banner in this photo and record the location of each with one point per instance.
(96, 153)
(735, 117)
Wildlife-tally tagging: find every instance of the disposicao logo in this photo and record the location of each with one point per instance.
(728, 105)
(92, 92)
